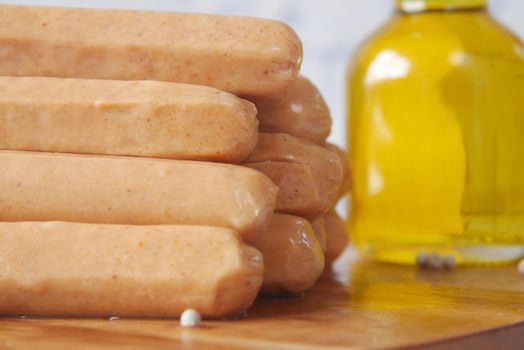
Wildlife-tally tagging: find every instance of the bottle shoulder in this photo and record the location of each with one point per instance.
(430, 38)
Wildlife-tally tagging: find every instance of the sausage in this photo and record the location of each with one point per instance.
(293, 259)
(130, 190)
(347, 182)
(246, 56)
(308, 176)
(336, 234)
(319, 228)
(303, 113)
(72, 269)
(297, 189)
(137, 118)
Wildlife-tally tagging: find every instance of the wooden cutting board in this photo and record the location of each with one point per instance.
(366, 306)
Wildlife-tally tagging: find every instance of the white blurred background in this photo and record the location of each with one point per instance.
(330, 30)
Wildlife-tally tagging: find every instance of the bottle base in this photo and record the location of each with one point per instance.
(477, 255)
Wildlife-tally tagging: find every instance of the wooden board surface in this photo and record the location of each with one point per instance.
(367, 306)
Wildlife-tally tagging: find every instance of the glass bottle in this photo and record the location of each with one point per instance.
(436, 136)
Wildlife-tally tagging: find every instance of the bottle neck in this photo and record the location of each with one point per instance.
(411, 6)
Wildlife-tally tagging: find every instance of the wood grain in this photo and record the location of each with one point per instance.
(365, 306)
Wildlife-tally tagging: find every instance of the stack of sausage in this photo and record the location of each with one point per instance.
(134, 180)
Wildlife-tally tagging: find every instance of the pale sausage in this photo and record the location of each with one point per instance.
(308, 175)
(347, 182)
(336, 234)
(303, 113)
(243, 55)
(132, 190)
(136, 118)
(58, 268)
(293, 259)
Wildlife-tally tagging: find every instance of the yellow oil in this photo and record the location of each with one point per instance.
(436, 137)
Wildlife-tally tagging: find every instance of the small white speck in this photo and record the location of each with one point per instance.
(190, 318)
(521, 267)
(435, 261)
(114, 318)
(22, 317)
(297, 108)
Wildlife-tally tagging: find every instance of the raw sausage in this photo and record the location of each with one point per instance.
(347, 182)
(246, 56)
(130, 190)
(293, 260)
(58, 268)
(336, 234)
(308, 175)
(137, 118)
(303, 113)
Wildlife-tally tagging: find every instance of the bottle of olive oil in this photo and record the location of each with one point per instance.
(436, 136)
